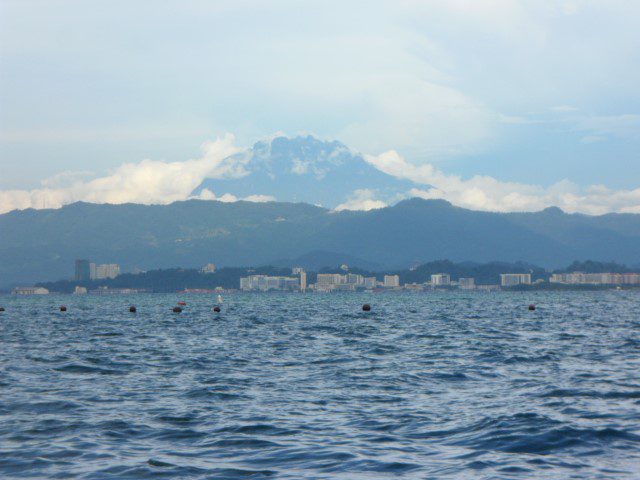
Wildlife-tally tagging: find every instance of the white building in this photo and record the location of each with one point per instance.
(209, 268)
(391, 281)
(303, 281)
(329, 282)
(327, 279)
(265, 283)
(106, 270)
(513, 279)
(579, 278)
(440, 280)
(30, 291)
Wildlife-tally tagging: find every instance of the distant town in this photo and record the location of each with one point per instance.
(106, 279)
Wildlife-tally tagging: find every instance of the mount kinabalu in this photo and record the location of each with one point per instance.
(43, 244)
(306, 169)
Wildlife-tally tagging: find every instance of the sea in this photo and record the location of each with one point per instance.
(469, 385)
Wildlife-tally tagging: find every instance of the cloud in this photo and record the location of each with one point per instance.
(361, 199)
(147, 182)
(487, 193)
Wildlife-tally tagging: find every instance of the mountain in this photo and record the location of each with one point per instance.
(305, 169)
(43, 244)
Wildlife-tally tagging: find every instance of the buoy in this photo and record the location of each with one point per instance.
(182, 303)
(63, 308)
(216, 309)
(532, 307)
(366, 307)
(177, 309)
(133, 309)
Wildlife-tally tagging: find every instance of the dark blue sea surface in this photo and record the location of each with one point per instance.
(437, 385)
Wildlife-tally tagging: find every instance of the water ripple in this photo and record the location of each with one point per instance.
(442, 385)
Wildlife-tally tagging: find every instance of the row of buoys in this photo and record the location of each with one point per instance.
(178, 309)
(133, 309)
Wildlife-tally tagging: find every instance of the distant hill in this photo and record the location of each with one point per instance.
(40, 245)
(305, 169)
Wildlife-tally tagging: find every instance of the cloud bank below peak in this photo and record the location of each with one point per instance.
(482, 192)
(271, 171)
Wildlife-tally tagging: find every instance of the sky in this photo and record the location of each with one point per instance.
(493, 105)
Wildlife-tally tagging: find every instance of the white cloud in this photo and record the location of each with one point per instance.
(487, 193)
(361, 199)
(147, 182)
(260, 198)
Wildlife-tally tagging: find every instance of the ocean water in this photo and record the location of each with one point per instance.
(443, 385)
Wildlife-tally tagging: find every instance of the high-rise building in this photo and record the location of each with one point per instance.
(83, 270)
(513, 279)
(107, 270)
(440, 280)
(391, 281)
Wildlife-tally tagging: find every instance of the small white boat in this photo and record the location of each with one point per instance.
(220, 299)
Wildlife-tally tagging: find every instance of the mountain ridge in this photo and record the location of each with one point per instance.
(41, 245)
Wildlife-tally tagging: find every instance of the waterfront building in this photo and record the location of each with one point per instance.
(513, 279)
(209, 268)
(30, 291)
(107, 270)
(331, 279)
(328, 282)
(300, 272)
(265, 283)
(440, 280)
(391, 281)
(467, 283)
(80, 290)
(115, 291)
(370, 282)
(579, 278)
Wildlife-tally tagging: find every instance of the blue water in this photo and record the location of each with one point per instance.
(447, 385)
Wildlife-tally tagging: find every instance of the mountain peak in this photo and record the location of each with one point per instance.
(305, 169)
